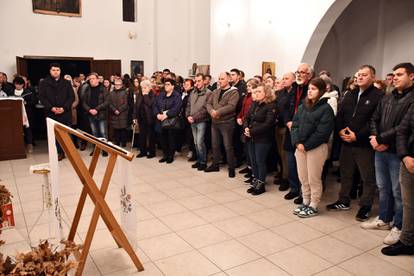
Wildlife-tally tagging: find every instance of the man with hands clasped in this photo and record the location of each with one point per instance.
(352, 123)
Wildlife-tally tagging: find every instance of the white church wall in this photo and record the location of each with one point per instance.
(101, 33)
(182, 34)
(245, 33)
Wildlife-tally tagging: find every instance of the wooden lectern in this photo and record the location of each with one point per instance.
(90, 189)
(11, 129)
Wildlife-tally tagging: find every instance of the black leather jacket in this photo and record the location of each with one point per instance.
(388, 115)
(405, 135)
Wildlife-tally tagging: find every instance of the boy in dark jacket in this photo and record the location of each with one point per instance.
(404, 245)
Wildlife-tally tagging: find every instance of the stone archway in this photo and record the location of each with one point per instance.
(322, 30)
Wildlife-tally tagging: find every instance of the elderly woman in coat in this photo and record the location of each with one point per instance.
(118, 107)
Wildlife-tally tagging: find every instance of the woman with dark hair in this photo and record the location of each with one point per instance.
(29, 100)
(107, 85)
(185, 135)
(167, 109)
(311, 128)
(259, 131)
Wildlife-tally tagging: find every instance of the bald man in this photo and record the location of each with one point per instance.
(221, 106)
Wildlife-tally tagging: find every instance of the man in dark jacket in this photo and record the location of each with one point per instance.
(282, 106)
(403, 81)
(197, 116)
(240, 84)
(300, 89)
(352, 123)
(384, 125)
(95, 101)
(56, 95)
(222, 108)
(6, 86)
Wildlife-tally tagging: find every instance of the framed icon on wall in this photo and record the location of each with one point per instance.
(58, 7)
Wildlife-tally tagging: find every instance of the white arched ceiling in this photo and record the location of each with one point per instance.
(322, 30)
(375, 32)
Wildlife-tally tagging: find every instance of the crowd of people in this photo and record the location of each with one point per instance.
(297, 125)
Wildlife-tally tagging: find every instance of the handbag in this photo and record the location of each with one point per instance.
(171, 123)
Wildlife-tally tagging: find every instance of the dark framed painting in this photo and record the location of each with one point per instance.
(58, 7)
(268, 67)
(137, 67)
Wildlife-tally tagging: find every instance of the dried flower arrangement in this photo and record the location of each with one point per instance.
(5, 195)
(5, 198)
(41, 261)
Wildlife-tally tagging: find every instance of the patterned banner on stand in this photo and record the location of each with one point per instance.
(129, 219)
(54, 179)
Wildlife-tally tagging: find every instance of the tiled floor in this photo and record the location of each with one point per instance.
(193, 223)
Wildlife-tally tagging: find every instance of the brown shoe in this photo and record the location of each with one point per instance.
(82, 146)
(61, 156)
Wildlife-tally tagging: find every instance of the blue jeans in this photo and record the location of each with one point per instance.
(258, 156)
(199, 130)
(293, 172)
(98, 127)
(387, 171)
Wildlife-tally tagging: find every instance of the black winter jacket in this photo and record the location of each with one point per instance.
(260, 119)
(405, 135)
(58, 93)
(312, 126)
(103, 101)
(388, 115)
(357, 116)
(282, 105)
(143, 109)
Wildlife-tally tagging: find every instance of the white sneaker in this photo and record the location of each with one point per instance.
(376, 224)
(393, 237)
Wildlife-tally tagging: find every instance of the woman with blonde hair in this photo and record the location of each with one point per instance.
(241, 117)
(259, 131)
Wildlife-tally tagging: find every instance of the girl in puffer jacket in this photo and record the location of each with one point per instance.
(311, 129)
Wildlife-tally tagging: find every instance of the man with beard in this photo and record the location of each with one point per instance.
(300, 90)
(56, 95)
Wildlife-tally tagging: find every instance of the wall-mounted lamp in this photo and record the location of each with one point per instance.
(132, 35)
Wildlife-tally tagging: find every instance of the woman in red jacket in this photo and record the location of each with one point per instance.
(247, 101)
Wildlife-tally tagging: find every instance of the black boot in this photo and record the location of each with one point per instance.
(245, 170)
(252, 186)
(259, 188)
(232, 173)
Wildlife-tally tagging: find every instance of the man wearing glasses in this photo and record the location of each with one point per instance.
(300, 89)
